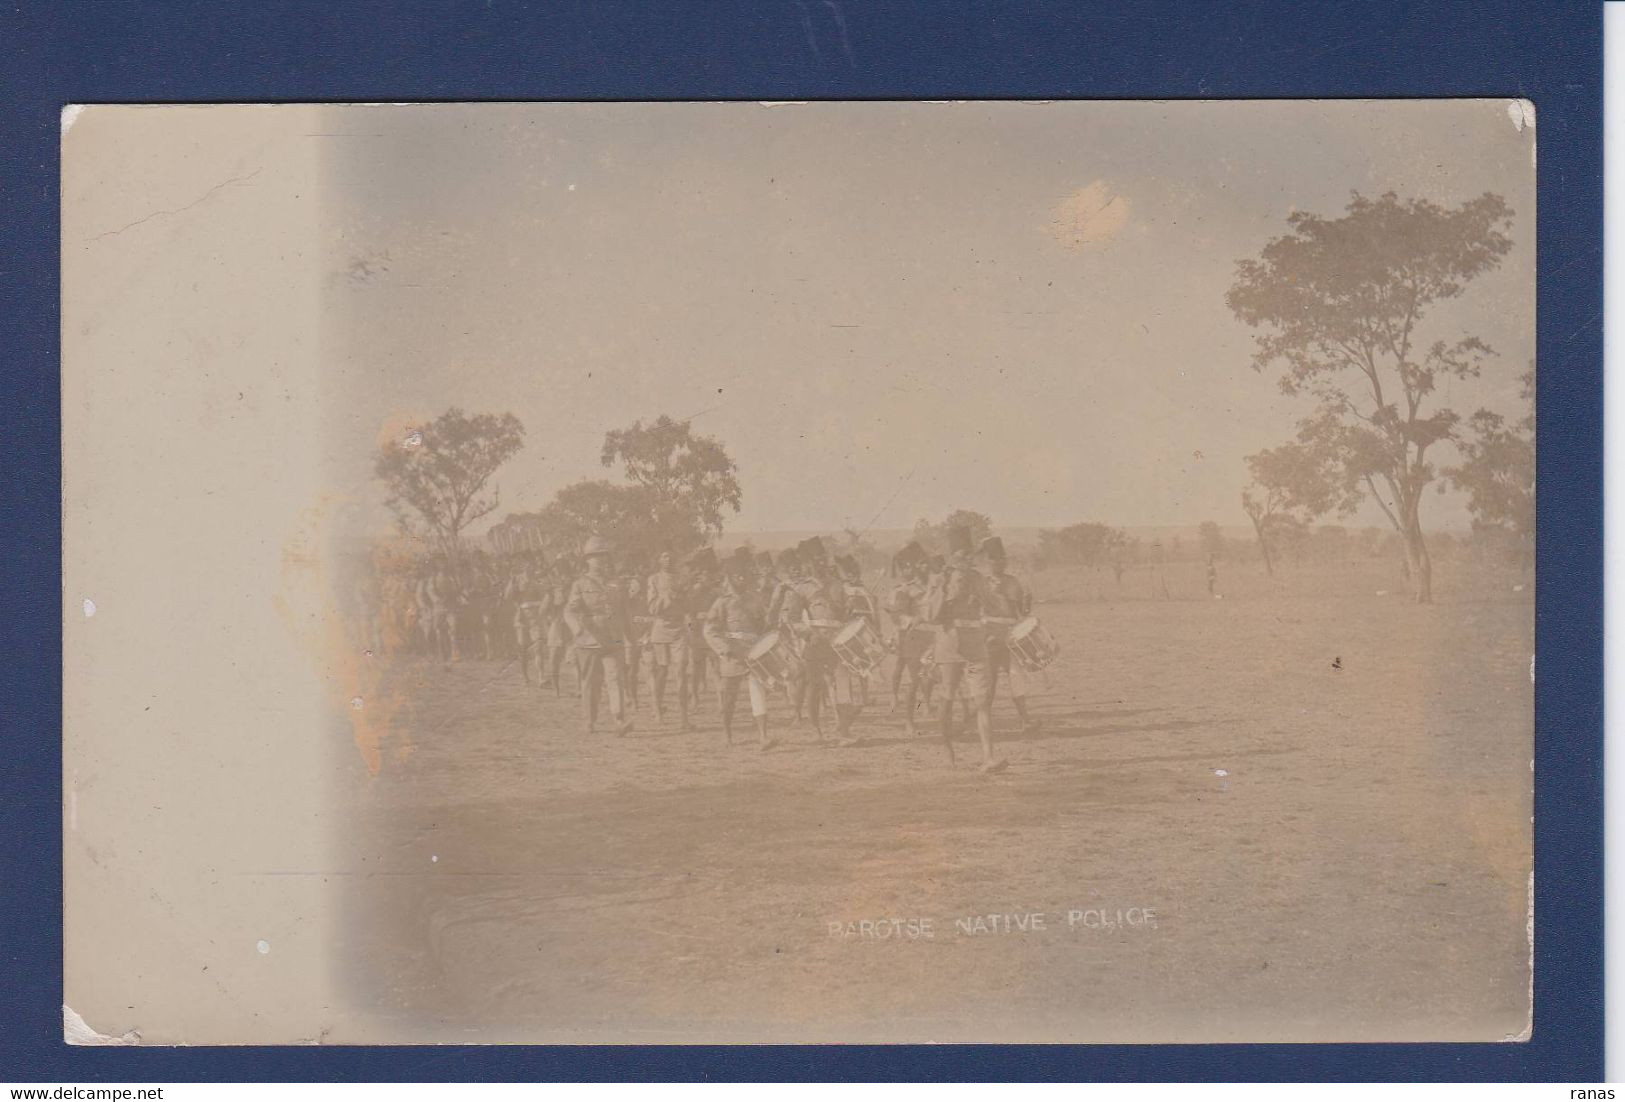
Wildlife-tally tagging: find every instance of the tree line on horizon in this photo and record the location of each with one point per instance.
(1338, 306)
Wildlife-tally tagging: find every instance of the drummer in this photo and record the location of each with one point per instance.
(558, 632)
(914, 636)
(734, 623)
(824, 613)
(784, 613)
(1007, 602)
(700, 591)
(529, 593)
(636, 602)
(859, 602)
(955, 605)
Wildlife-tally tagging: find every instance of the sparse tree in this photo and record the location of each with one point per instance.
(1497, 472)
(689, 480)
(1292, 485)
(624, 515)
(1090, 543)
(1341, 303)
(437, 473)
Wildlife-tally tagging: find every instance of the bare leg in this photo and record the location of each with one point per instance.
(945, 715)
(844, 715)
(984, 729)
(798, 698)
(633, 661)
(594, 675)
(727, 694)
(815, 699)
(1028, 723)
(911, 697)
(657, 689)
(614, 678)
(758, 712)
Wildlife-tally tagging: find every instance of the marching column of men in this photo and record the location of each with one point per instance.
(698, 619)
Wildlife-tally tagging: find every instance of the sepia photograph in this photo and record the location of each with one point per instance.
(832, 572)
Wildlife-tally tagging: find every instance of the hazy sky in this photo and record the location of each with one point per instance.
(885, 311)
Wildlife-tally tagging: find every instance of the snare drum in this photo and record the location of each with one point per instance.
(773, 659)
(1032, 645)
(858, 646)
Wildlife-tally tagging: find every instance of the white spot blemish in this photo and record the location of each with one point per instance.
(414, 439)
(263, 946)
(572, 187)
(356, 702)
(1221, 772)
(434, 857)
(70, 115)
(90, 608)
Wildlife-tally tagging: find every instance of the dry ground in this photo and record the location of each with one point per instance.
(1360, 872)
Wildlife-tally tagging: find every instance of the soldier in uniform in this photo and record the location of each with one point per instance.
(915, 638)
(668, 638)
(527, 592)
(1006, 603)
(784, 608)
(636, 603)
(480, 596)
(733, 624)
(955, 605)
(859, 602)
(558, 632)
(600, 624)
(823, 598)
(699, 594)
(445, 607)
(767, 579)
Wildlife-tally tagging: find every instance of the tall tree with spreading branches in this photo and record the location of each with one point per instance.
(1341, 305)
(689, 480)
(437, 473)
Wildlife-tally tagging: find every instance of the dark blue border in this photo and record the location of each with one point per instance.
(52, 53)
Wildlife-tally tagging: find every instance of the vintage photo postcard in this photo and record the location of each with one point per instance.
(799, 572)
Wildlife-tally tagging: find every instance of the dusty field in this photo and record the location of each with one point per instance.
(1361, 872)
